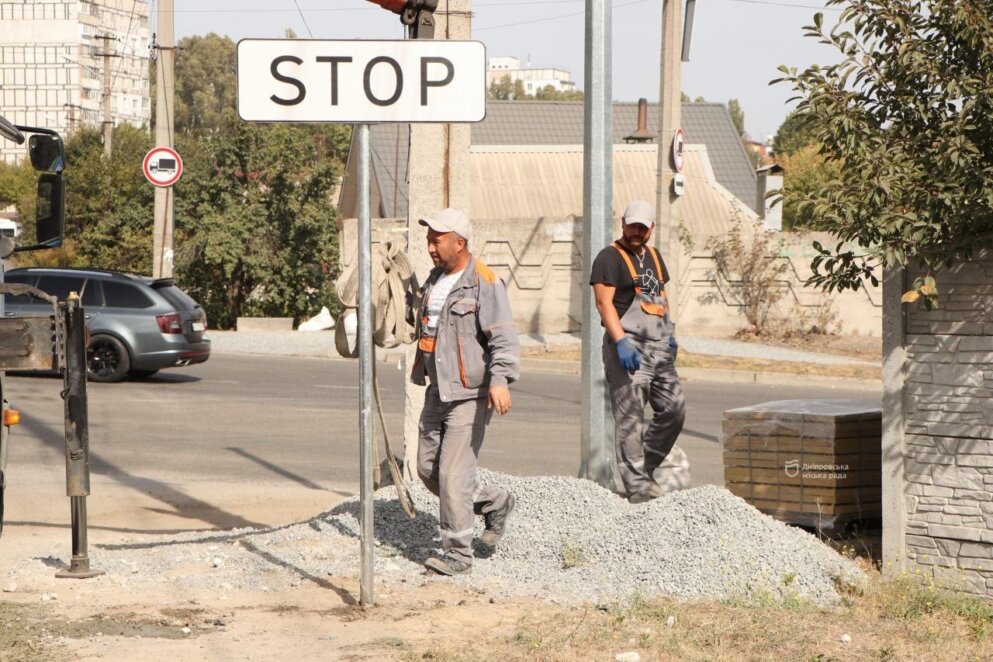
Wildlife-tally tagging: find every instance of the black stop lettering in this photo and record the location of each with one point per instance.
(425, 83)
(366, 80)
(301, 90)
(335, 61)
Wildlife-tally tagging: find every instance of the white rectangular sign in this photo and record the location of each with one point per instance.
(361, 82)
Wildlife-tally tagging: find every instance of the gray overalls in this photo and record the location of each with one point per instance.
(639, 450)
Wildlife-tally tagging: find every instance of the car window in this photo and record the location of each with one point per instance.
(125, 295)
(60, 286)
(179, 299)
(92, 295)
(20, 299)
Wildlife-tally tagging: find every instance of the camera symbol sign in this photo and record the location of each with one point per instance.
(162, 166)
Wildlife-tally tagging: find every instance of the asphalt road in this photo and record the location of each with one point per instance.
(286, 421)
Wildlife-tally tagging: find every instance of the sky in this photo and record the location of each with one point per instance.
(736, 46)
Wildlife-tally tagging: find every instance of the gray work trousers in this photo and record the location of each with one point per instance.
(450, 435)
(640, 449)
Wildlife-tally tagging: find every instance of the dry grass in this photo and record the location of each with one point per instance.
(903, 619)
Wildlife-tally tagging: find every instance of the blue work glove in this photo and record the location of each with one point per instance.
(673, 345)
(628, 353)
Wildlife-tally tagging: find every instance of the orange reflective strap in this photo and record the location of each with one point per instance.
(658, 264)
(627, 260)
(426, 344)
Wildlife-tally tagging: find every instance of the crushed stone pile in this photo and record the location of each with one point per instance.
(569, 540)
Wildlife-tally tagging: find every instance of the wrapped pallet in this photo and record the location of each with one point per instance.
(807, 462)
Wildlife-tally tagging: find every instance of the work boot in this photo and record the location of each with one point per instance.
(446, 565)
(496, 522)
(653, 491)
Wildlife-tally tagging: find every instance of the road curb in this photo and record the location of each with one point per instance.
(720, 375)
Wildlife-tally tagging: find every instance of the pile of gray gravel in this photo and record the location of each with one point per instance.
(569, 540)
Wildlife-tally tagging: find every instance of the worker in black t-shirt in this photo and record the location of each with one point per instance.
(639, 351)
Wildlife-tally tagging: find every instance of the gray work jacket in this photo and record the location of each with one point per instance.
(476, 346)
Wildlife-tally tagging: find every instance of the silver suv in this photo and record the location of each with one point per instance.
(137, 325)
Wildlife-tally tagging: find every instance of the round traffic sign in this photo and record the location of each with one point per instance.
(162, 166)
(678, 141)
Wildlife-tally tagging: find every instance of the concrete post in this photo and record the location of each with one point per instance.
(667, 225)
(894, 478)
(165, 94)
(439, 178)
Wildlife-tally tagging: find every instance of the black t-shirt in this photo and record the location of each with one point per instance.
(609, 268)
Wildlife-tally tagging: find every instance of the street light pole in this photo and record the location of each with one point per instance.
(598, 216)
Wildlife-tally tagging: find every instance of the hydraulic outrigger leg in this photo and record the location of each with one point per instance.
(72, 346)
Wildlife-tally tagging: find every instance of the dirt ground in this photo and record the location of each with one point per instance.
(48, 618)
(424, 618)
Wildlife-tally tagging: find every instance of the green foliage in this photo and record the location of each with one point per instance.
(737, 116)
(503, 89)
(806, 172)
(905, 116)
(795, 133)
(16, 182)
(549, 93)
(256, 233)
(206, 84)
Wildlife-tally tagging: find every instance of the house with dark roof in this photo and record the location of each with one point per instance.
(551, 123)
(526, 206)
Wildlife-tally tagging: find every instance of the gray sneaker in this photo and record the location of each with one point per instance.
(496, 522)
(446, 565)
(653, 491)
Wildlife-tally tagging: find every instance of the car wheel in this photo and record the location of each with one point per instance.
(107, 359)
(140, 374)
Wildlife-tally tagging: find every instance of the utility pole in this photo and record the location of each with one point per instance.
(439, 178)
(108, 120)
(165, 92)
(666, 234)
(596, 441)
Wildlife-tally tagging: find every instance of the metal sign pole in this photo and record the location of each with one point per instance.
(365, 365)
(596, 448)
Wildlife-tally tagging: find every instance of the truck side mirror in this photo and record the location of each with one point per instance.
(50, 216)
(47, 153)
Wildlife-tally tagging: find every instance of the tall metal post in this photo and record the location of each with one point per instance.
(598, 215)
(365, 366)
(666, 233)
(77, 435)
(165, 93)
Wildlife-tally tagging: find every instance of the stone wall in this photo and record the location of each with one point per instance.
(948, 430)
(541, 262)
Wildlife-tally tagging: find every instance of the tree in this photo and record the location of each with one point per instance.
(737, 116)
(206, 83)
(905, 117)
(550, 93)
(795, 133)
(256, 232)
(503, 89)
(806, 171)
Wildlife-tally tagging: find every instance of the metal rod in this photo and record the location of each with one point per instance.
(365, 366)
(598, 215)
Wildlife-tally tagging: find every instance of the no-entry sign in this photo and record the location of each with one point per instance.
(162, 166)
(361, 82)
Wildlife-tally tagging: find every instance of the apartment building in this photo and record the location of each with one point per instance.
(52, 63)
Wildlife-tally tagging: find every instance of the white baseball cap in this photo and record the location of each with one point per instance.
(449, 220)
(640, 212)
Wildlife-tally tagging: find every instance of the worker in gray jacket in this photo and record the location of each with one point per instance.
(467, 347)
(639, 351)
